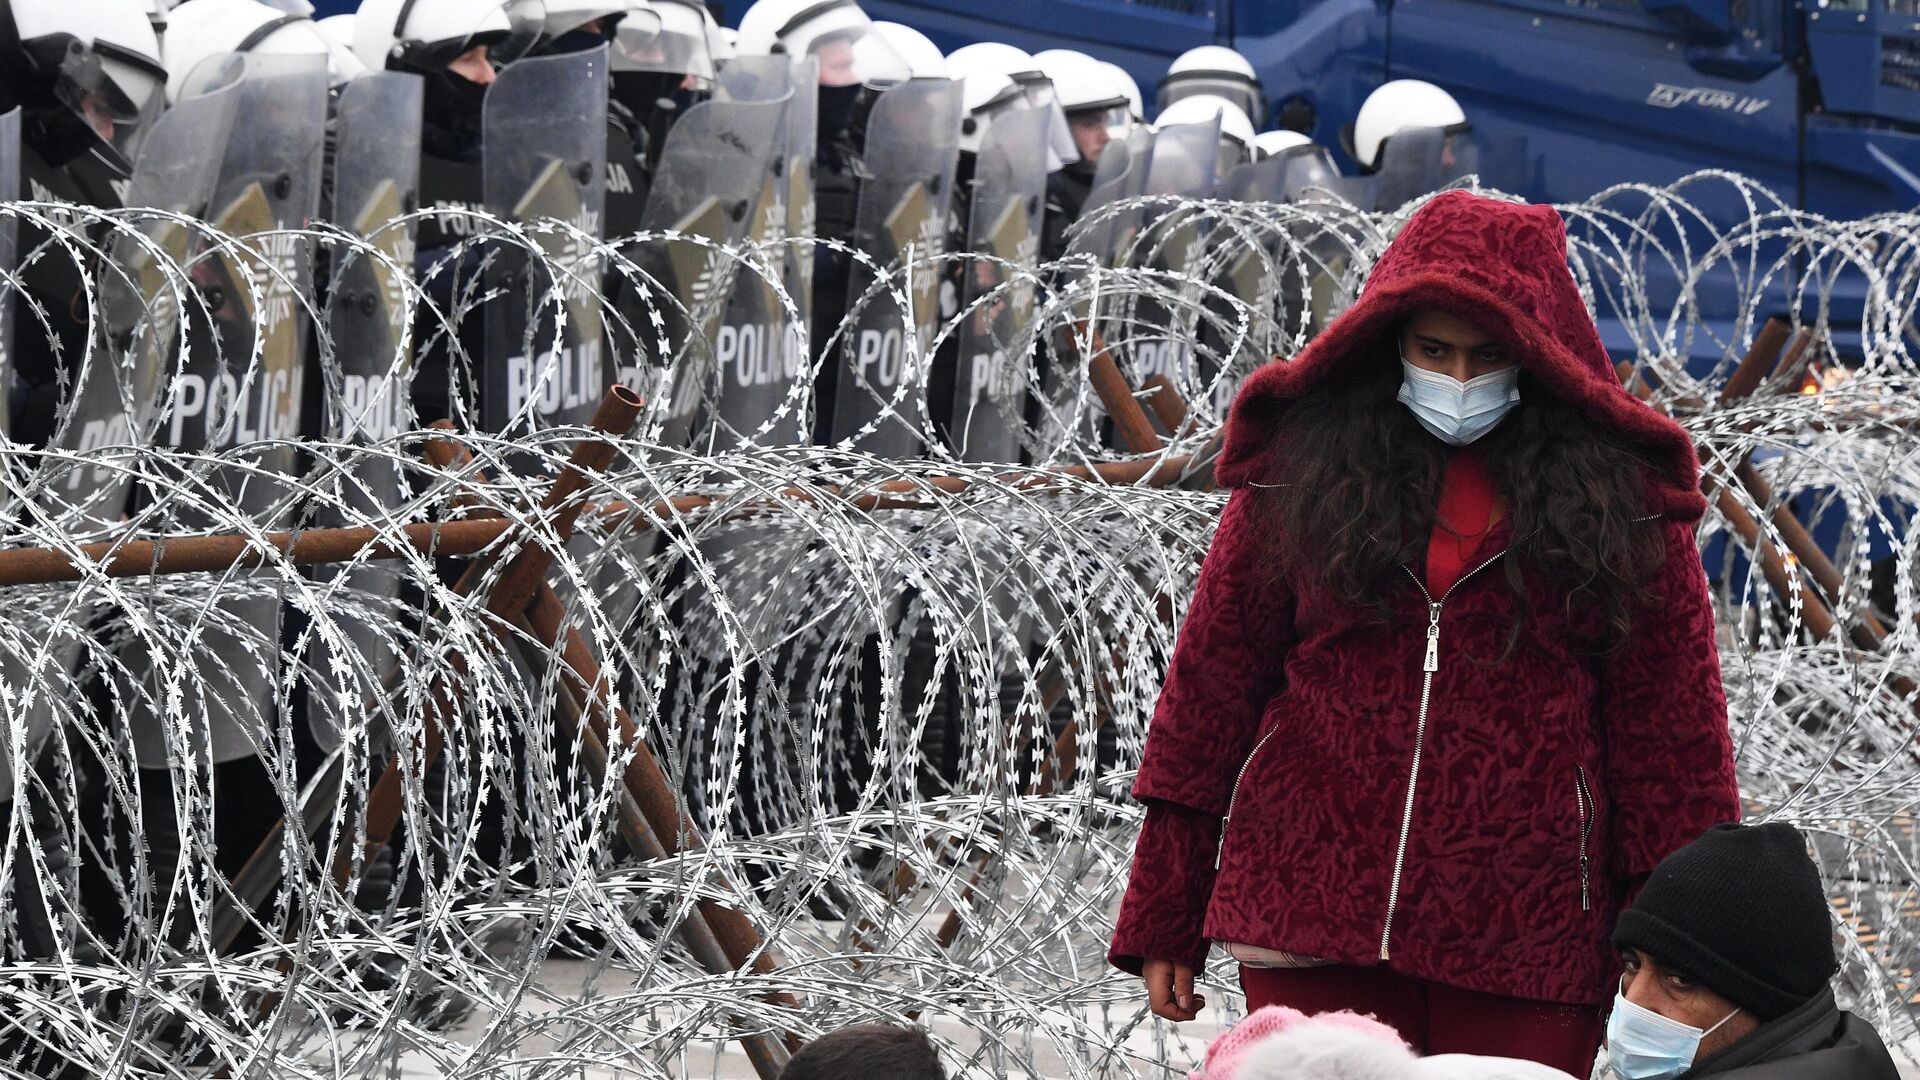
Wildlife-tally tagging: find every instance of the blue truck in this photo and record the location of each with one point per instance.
(1818, 100)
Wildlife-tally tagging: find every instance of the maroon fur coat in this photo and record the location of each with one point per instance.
(1547, 782)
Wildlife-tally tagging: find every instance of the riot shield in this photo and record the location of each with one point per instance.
(118, 383)
(757, 355)
(996, 329)
(803, 137)
(1425, 160)
(710, 182)
(1185, 157)
(1120, 175)
(913, 144)
(544, 133)
(9, 192)
(239, 385)
(1256, 181)
(376, 174)
(1184, 160)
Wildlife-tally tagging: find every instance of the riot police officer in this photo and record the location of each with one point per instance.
(1096, 107)
(86, 79)
(854, 64)
(448, 43)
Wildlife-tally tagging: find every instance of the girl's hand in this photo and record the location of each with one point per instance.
(1170, 990)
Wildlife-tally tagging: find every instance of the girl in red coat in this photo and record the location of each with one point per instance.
(1447, 691)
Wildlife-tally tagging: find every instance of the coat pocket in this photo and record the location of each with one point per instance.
(1583, 804)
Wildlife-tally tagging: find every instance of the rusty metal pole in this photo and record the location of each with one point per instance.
(617, 414)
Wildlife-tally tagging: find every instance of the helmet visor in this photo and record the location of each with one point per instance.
(676, 44)
(1234, 87)
(114, 93)
(839, 35)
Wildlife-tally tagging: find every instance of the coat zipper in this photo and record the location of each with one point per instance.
(1234, 793)
(1583, 795)
(1428, 667)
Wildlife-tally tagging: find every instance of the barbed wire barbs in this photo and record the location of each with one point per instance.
(797, 730)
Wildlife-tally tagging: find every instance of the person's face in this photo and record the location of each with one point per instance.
(1443, 342)
(99, 115)
(473, 66)
(1090, 134)
(836, 62)
(1676, 997)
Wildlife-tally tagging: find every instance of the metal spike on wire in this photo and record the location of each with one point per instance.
(784, 737)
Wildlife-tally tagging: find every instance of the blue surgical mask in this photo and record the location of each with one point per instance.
(1459, 412)
(1643, 1045)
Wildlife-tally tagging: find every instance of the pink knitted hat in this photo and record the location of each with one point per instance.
(1277, 1043)
(1242, 1053)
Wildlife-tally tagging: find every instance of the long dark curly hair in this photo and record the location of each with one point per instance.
(1352, 484)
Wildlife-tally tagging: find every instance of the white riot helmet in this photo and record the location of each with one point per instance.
(1203, 107)
(1023, 69)
(200, 29)
(836, 32)
(723, 40)
(985, 94)
(338, 29)
(424, 35)
(87, 73)
(681, 44)
(1402, 105)
(921, 54)
(1135, 103)
(547, 22)
(1236, 131)
(1276, 143)
(1081, 83)
(1216, 70)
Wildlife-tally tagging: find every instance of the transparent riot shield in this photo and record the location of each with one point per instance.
(1160, 341)
(118, 382)
(111, 406)
(803, 138)
(376, 176)
(1412, 163)
(544, 134)
(237, 392)
(996, 328)
(913, 145)
(9, 192)
(1120, 175)
(708, 189)
(1185, 157)
(757, 356)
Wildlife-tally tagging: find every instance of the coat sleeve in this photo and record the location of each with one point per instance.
(1669, 768)
(1227, 664)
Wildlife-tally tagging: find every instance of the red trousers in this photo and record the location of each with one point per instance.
(1436, 1019)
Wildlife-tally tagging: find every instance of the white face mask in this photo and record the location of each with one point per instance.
(1643, 1045)
(1459, 412)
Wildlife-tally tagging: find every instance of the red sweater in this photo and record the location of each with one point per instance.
(1469, 505)
(1299, 799)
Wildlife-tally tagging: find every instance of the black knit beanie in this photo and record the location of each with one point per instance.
(1742, 912)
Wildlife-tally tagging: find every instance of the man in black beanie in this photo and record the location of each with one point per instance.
(1729, 956)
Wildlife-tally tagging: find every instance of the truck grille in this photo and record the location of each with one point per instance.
(1900, 59)
(1903, 7)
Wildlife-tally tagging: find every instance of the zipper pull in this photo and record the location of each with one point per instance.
(1433, 639)
(1220, 848)
(1586, 899)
